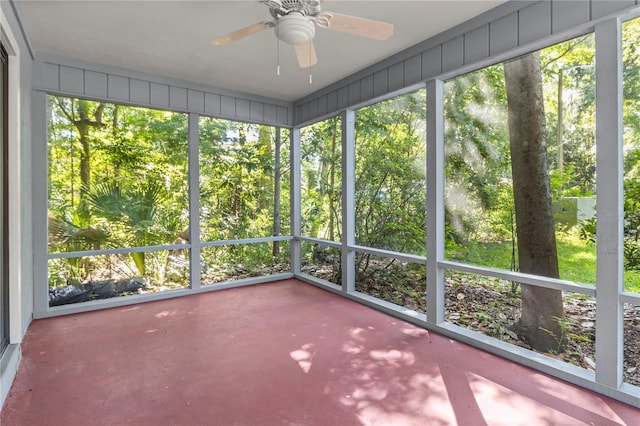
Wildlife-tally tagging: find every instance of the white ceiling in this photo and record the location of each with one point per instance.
(172, 39)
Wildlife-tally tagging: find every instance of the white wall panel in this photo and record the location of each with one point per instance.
(380, 80)
(313, 108)
(566, 14)
(332, 100)
(139, 91)
(227, 106)
(432, 62)
(95, 84)
(270, 113)
(396, 76)
(366, 87)
(343, 97)
(354, 93)
(453, 54)
(322, 105)
(51, 77)
(72, 80)
(243, 109)
(212, 104)
(513, 26)
(605, 7)
(413, 70)
(283, 116)
(503, 34)
(178, 98)
(118, 88)
(64, 76)
(302, 112)
(195, 100)
(476, 44)
(159, 95)
(257, 111)
(534, 22)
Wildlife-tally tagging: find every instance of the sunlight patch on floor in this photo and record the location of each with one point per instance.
(303, 356)
(394, 357)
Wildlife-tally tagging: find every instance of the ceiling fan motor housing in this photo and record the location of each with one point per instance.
(295, 29)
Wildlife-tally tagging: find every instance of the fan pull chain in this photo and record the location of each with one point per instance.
(310, 76)
(278, 56)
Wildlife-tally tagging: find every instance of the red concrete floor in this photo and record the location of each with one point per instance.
(285, 353)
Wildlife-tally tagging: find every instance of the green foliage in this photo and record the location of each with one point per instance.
(631, 243)
(569, 67)
(477, 167)
(232, 262)
(134, 211)
(587, 230)
(321, 155)
(478, 184)
(133, 191)
(559, 338)
(117, 178)
(631, 255)
(237, 187)
(390, 196)
(479, 202)
(322, 261)
(576, 258)
(392, 280)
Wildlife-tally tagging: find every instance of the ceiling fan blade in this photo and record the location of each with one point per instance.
(306, 54)
(354, 25)
(237, 35)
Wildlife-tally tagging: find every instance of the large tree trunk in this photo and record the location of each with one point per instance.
(542, 309)
(84, 125)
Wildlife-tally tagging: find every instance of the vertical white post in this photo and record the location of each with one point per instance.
(609, 207)
(348, 207)
(435, 201)
(194, 199)
(20, 204)
(295, 201)
(39, 114)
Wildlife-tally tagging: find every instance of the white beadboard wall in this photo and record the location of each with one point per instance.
(511, 27)
(69, 77)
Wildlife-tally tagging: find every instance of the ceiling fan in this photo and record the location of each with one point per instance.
(294, 23)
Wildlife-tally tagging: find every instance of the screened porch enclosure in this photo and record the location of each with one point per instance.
(397, 188)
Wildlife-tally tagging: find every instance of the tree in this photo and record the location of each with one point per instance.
(117, 179)
(321, 179)
(542, 308)
(79, 113)
(390, 174)
(568, 76)
(477, 171)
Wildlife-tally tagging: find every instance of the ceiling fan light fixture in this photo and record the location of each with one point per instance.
(295, 29)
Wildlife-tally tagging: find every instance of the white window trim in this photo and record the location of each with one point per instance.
(10, 43)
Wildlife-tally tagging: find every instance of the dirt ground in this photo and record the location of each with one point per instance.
(491, 307)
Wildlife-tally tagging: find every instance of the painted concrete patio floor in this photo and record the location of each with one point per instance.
(285, 353)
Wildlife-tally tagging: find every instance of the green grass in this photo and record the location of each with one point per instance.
(576, 259)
